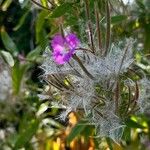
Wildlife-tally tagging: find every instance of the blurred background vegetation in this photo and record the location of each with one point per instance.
(26, 27)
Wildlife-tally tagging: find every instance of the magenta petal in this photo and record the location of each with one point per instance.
(67, 56)
(64, 47)
(58, 41)
(72, 40)
(59, 59)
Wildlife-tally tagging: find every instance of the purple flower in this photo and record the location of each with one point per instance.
(64, 47)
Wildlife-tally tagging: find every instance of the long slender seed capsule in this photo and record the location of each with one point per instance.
(59, 78)
(56, 82)
(117, 95)
(98, 27)
(136, 96)
(59, 81)
(69, 82)
(135, 73)
(84, 49)
(108, 29)
(76, 71)
(137, 91)
(82, 66)
(129, 100)
(99, 113)
(123, 58)
(89, 25)
(57, 87)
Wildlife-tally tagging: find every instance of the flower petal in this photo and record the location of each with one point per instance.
(72, 40)
(64, 47)
(58, 40)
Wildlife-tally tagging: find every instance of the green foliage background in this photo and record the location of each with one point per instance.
(25, 31)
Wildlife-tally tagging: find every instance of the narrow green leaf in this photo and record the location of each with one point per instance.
(127, 134)
(21, 21)
(118, 19)
(88, 131)
(61, 10)
(109, 142)
(79, 127)
(132, 124)
(25, 137)
(32, 56)
(17, 76)
(140, 4)
(6, 5)
(40, 20)
(8, 42)
(44, 3)
(8, 57)
(41, 35)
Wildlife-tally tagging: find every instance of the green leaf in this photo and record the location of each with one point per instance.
(40, 20)
(21, 21)
(127, 134)
(8, 42)
(147, 38)
(41, 34)
(118, 19)
(132, 124)
(6, 5)
(25, 136)
(32, 56)
(109, 142)
(44, 3)
(88, 131)
(8, 57)
(17, 76)
(61, 10)
(140, 4)
(78, 128)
